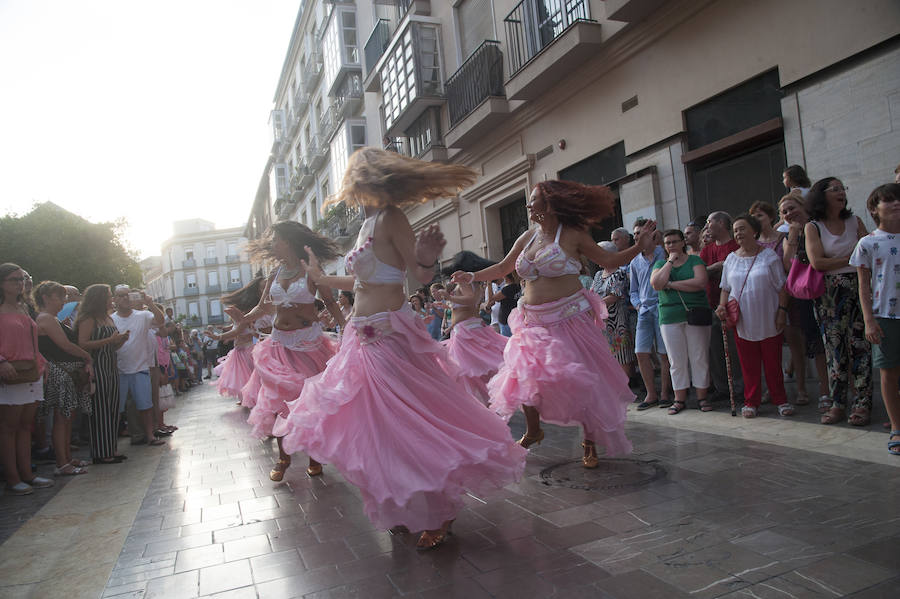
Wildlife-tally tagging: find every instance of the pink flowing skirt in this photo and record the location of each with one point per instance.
(234, 371)
(390, 415)
(477, 352)
(282, 367)
(558, 360)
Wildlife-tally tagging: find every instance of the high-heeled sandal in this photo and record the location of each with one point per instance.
(432, 539)
(314, 468)
(590, 459)
(527, 441)
(277, 473)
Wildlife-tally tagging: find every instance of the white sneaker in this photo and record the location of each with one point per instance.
(39, 482)
(20, 489)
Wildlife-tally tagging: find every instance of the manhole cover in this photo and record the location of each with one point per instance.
(610, 474)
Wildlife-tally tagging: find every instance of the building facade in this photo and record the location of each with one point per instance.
(682, 107)
(199, 264)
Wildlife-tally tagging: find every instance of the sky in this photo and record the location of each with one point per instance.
(151, 112)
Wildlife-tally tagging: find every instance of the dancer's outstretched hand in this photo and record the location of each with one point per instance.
(235, 314)
(313, 269)
(462, 276)
(646, 236)
(429, 244)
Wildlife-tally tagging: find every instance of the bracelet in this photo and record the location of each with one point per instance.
(432, 265)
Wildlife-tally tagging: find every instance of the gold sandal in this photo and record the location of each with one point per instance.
(590, 459)
(314, 468)
(277, 473)
(432, 539)
(527, 441)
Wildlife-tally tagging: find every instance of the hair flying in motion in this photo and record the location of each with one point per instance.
(297, 236)
(577, 205)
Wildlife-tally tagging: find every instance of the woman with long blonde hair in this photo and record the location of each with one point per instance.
(388, 411)
(557, 364)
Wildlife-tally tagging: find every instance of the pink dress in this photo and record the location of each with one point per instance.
(477, 351)
(286, 359)
(235, 369)
(558, 359)
(389, 414)
(250, 390)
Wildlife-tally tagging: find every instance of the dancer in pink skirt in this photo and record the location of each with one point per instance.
(297, 349)
(385, 412)
(235, 369)
(557, 364)
(475, 348)
(262, 328)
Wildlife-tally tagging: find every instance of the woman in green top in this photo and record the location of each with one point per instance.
(681, 283)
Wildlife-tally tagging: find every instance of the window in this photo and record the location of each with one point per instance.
(190, 281)
(475, 23)
(210, 251)
(215, 308)
(194, 310)
(281, 180)
(212, 277)
(357, 137)
(232, 248)
(401, 84)
(348, 24)
(189, 254)
(235, 276)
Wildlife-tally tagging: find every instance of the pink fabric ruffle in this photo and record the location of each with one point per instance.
(234, 371)
(477, 353)
(566, 371)
(250, 391)
(392, 418)
(281, 373)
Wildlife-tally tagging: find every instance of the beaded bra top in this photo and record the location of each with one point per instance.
(365, 265)
(296, 293)
(550, 261)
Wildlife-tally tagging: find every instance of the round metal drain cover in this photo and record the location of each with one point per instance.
(610, 474)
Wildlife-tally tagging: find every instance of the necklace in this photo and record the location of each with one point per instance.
(286, 274)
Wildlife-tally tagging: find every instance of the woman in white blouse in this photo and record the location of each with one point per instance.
(754, 276)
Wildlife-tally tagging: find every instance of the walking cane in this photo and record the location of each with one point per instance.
(728, 370)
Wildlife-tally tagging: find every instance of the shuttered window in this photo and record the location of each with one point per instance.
(476, 24)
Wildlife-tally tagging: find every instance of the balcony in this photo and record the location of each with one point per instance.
(315, 152)
(328, 123)
(312, 70)
(216, 319)
(406, 98)
(303, 177)
(376, 45)
(400, 145)
(192, 321)
(349, 98)
(189, 263)
(301, 101)
(631, 11)
(232, 258)
(293, 123)
(283, 207)
(340, 223)
(476, 98)
(543, 48)
(189, 291)
(234, 286)
(210, 261)
(213, 289)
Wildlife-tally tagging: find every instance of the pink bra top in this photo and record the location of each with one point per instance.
(296, 293)
(365, 265)
(550, 261)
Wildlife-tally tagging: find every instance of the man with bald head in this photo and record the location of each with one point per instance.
(713, 255)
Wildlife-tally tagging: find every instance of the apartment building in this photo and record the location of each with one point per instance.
(682, 107)
(198, 264)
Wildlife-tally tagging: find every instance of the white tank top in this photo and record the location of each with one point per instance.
(839, 245)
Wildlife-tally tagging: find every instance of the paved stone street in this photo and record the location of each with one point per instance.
(689, 514)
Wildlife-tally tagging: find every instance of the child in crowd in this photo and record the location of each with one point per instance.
(877, 262)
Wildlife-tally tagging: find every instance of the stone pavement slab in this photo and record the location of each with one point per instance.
(689, 514)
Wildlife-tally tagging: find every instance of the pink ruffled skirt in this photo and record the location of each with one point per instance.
(282, 364)
(558, 360)
(390, 415)
(234, 371)
(477, 352)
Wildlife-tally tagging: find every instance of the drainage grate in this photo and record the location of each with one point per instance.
(610, 474)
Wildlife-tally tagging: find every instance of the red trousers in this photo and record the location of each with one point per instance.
(765, 354)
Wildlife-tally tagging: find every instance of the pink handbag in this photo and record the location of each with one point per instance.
(804, 281)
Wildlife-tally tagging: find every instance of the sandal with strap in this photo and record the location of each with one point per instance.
(860, 416)
(834, 415)
(825, 404)
(277, 473)
(69, 470)
(894, 446)
(676, 407)
(314, 468)
(706, 405)
(785, 409)
(748, 412)
(527, 440)
(432, 539)
(590, 459)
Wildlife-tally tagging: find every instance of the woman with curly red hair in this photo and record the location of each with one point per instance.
(557, 364)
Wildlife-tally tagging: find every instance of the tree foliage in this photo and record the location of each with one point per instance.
(53, 244)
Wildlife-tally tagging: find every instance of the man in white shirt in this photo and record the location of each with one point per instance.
(135, 357)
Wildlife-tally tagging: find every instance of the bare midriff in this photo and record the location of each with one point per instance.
(372, 298)
(547, 289)
(295, 317)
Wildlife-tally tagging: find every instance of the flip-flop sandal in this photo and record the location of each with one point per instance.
(644, 405)
(676, 407)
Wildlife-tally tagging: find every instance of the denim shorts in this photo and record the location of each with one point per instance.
(648, 334)
(138, 385)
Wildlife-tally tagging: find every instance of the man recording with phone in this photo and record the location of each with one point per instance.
(135, 358)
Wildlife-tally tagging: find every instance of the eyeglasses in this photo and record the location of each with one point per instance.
(837, 188)
(15, 279)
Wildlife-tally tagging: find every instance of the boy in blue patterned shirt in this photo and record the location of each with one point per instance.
(877, 261)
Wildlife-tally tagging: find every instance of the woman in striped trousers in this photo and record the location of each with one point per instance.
(98, 335)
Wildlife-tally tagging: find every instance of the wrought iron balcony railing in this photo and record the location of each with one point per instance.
(377, 43)
(478, 78)
(533, 24)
